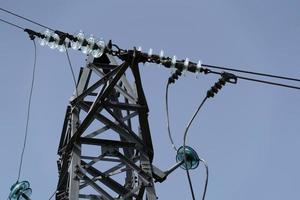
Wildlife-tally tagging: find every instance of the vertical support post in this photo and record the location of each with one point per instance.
(75, 158)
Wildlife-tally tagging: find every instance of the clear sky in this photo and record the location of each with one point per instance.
(248, 133)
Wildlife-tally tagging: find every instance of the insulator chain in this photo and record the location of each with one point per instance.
(225, 77)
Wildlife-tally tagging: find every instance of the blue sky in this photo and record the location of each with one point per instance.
(248, 133)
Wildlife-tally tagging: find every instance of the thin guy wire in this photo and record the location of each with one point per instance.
(168, 117)
(28, 112)
(250, 72)
(12, 24)
(24, 18)
(184, 145)
(72, 71)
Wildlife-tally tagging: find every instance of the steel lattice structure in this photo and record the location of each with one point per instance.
(119, 110)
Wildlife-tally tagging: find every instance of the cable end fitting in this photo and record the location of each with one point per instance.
(226, 77)
(32, 34)
(174, 76)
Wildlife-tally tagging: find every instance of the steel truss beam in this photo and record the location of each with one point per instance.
(107, 112)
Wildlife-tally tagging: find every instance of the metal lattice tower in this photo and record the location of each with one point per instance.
(109, 113)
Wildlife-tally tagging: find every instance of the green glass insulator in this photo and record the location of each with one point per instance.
(192, 159)
(20, 191)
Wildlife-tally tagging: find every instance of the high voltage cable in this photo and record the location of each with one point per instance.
(208, 66)
(202, 160)
(26, 19)
(260, 81)
(31, 90)
(168, 117)
(172, 79)
(28, 113)
(251, 72)
(12, 24)
(204, 65)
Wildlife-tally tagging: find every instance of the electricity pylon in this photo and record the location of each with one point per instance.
(106, 148)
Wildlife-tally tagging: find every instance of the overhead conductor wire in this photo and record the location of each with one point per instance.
(200, 159)
(26, 19)
(28, 113)
(172, 79)
(204, 65)
(12, 24)
(209, 66)
(168, 117)
(31, 91)
(39, 24)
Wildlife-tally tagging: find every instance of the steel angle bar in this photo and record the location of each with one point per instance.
(97, 132)
(84, 77)
(105, 128)
(119, 171)
(131, 193)
(143, 115)
(81, 173)
(111, 160)
(95, 160)
(90, 197)
(88, 157)
(119, 166)
(130, 96)
(104, 142)
(63, 139)
(115, 186)
(103, 65)
(63, 175)
(93, 87)
(115, 127)
(94, 108)
(120, 122)
(124, 106)
(144, 176)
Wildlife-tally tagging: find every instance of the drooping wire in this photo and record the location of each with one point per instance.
(26, 19)
(202, 160)
(168, 117)
(28, 113)
(72, 71)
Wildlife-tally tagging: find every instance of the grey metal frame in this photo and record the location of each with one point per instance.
(115, 104)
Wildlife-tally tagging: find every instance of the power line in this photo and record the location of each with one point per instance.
(268, 82)
(260, 81)
(251, 72)
(28, 113)
(168, 117)
(205, 65)
(12, 24)
(26, 19)
(184, 145)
